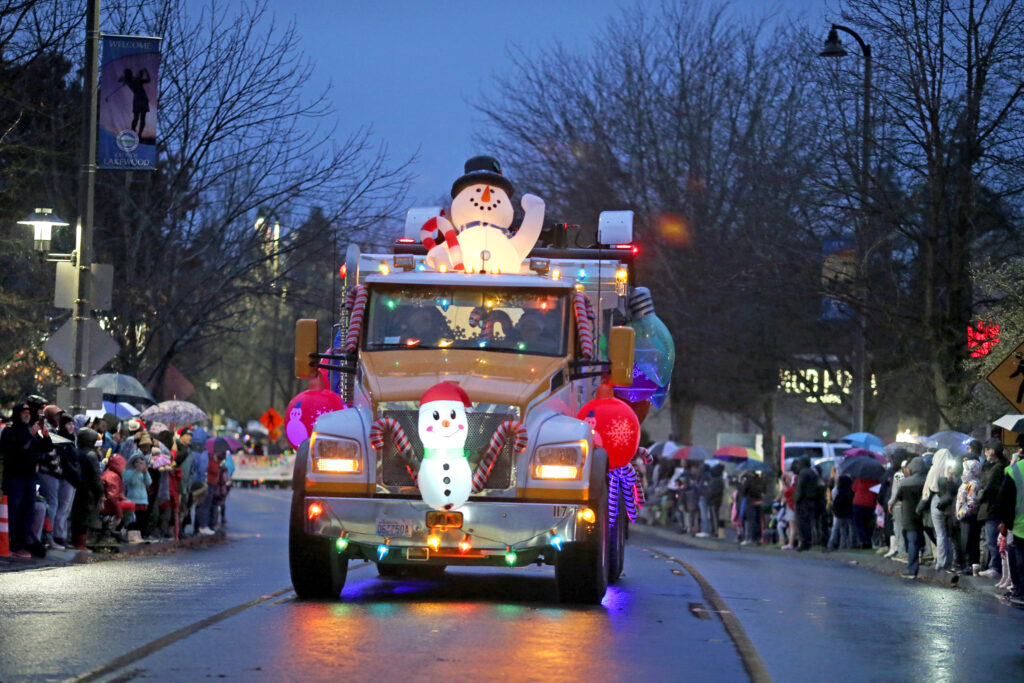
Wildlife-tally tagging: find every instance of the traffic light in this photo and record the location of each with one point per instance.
(824, 434)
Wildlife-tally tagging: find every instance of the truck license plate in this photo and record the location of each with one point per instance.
(392, 528)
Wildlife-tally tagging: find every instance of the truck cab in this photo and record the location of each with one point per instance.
(530, 349)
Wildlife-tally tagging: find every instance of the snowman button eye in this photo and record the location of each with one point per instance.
(436, 416)
(453, 414)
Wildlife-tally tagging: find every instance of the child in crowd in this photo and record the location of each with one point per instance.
(136, 482)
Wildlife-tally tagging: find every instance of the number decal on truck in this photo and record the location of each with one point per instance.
(560, 510)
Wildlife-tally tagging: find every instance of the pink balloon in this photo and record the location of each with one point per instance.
(303, 411)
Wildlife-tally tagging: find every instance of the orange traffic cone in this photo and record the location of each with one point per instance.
(5, 544)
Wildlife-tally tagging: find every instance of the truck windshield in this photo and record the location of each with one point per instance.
(508, 320)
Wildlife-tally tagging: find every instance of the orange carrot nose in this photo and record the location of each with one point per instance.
(445, 423)
(486, 195)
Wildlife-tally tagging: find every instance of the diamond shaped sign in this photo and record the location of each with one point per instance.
(102, 347)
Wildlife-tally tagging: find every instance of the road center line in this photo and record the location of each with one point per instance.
(182, 633)
(752, 661)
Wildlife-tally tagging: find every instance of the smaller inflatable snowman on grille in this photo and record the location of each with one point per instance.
(479, 238)
(445, 479)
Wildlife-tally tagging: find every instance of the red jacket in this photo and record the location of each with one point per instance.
(862, 495)
(113, 486)
(213, 472)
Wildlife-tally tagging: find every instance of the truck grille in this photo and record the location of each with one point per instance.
(483, 423)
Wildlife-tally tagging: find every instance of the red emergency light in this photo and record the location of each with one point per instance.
(634, 249)
(406, 240)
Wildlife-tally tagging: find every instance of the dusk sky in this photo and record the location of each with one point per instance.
(412, 69)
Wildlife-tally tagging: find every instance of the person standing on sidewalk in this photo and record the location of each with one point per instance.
(909, 497)
(808, 497)
(940, 502)
(21, 444)
(989, 481)
(967, 513)
(1010, 507)
(89, 495)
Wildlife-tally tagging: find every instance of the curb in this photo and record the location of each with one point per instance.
(865, 559)
(64, 558)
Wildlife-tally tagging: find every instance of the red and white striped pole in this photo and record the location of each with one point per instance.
(5, 543)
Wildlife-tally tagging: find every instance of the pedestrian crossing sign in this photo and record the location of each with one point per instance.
(271, 419)
(1008, 378)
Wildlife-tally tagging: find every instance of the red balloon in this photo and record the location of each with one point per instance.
(304, 409)
(616, 428)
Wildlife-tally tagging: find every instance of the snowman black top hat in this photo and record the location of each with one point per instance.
(483, 169)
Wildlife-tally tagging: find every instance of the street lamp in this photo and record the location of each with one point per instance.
(43, 221)
(834, 48)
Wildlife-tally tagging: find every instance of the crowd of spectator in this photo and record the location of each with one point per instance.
(75, 481)
(960, 513)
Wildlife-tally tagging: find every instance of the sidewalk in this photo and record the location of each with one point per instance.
(63, 558)
(867, 559)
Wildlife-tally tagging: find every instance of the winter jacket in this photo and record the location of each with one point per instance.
(90, 489)
(989, 482)
(862, 493)
(113, 486)
(200, 466)
(136, 483)
(910, 494)
(808, 484)
(968, 493)
(213, 471)
(716, 487)
(21, 450)
(842, 499)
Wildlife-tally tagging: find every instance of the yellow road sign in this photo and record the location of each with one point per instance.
(1008, 378)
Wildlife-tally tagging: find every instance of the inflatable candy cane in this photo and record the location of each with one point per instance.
(506, 432)
(389, 425)
(355, 322)
(582, 308)
(451, 239)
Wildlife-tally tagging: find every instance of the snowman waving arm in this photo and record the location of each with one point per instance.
(533, 221)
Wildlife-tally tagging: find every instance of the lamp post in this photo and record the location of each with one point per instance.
(834, 48)
(43, 221)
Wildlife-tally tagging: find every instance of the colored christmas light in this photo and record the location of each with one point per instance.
(341, 544)
(556, 540)
(510, 556)
(382, 549)
(434, 541)
(465, 544)
(315, 510)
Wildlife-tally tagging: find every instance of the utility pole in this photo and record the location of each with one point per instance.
(86, 200)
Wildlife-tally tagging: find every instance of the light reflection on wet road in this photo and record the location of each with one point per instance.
(808, 619)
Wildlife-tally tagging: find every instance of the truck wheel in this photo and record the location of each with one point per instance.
(581, 569)
(617, 544)
(316, 569)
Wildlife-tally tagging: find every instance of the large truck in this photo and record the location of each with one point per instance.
(529, 348)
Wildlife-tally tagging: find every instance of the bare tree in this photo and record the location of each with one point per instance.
(694, 120)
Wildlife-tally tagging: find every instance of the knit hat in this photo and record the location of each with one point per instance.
(483, 170)
(446, 391)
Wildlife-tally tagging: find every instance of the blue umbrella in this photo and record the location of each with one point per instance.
(120, 410)
(864, 440)
(752, 466)
(958, 443)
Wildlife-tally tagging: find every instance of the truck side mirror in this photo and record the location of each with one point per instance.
(620, 353)
(306, 344)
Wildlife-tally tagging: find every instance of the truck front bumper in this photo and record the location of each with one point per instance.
(533, 530)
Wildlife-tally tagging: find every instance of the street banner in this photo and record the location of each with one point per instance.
(838, 269)
(129, 73)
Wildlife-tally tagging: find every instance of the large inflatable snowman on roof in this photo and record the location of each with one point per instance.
(478, 238)
(444, 479)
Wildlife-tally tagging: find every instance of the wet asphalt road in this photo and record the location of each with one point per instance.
(228, 612)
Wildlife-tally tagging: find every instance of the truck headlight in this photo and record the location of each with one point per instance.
(332, 455)
(560, 461)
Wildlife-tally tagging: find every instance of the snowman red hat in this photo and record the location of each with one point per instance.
(446, 391)
(483, 170)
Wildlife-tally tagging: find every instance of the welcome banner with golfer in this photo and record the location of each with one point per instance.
(129, 73)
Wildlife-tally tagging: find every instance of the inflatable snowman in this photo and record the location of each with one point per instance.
(478, 238)
(444, 479)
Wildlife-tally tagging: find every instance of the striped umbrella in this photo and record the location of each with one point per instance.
(737, 454)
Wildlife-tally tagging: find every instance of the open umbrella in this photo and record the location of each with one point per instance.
(736, 454)
(157, 427)
(255, 427)
(229, 443)
(691, 453)
(958, 443)
(117, 387)
(175, 413)
(663, 449)
(752, 466)
(864, 440)
(1013, 423)
(862, 467)
(912, 447)
(865, 453)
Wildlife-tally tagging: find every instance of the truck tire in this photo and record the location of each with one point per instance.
(617, 544)
(316, 569)
(581, 568)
